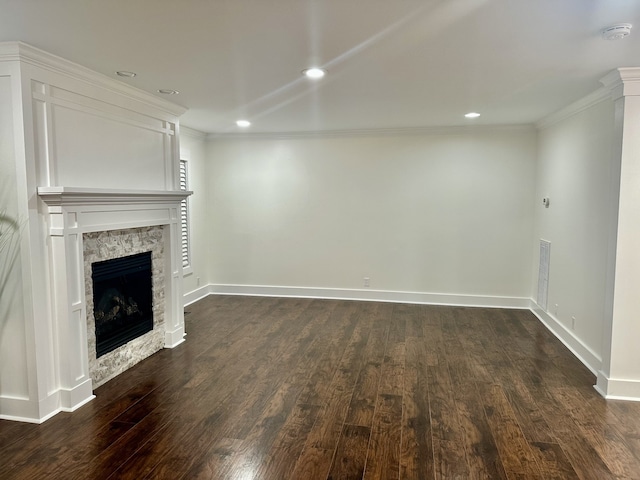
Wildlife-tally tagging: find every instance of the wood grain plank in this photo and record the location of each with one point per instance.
(482, 452)
(215, 463)
(288, 446)
(579, 450)
(362, 406)
(515, 452)
(450, 456)
(416, 449)
(605, 437)
(553, 462)
(383, 455)
(351, 453)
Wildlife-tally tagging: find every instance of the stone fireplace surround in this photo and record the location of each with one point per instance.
(73, 212)
(108, 245)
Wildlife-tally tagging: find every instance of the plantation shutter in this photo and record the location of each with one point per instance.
(184, 216)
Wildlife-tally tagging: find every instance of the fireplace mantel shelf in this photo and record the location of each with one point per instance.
(56, 196)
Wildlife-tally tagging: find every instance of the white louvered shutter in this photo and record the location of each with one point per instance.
(184, 216)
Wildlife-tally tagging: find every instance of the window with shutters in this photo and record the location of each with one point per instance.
(184, 218)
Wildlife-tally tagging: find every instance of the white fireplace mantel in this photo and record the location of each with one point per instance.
(58, 196)
(72, 211)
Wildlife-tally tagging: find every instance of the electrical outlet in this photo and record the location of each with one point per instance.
(573, 323)
(555, 309)
(366, 281)
(198, 281)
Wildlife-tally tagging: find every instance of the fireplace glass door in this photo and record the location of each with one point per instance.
(122, 300)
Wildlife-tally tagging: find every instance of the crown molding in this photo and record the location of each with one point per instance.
(381, 132)
(622, 82)
(574, 108)
(22, 52)
(193, 133)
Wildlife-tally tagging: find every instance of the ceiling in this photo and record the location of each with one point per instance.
(391, 63)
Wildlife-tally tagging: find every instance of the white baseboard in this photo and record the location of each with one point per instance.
(19, 409)
(588, 357)
(73, 398)
(77, 405)
(617, 389)
(367, 295)
(197, 294)
(174, 338)
(17, 418)
(32, 411)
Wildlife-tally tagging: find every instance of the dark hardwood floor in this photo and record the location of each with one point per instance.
(268, 388)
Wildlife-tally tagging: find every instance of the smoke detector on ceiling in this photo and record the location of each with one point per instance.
(617, 32)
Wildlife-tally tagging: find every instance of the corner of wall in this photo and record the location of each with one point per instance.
(587, 356)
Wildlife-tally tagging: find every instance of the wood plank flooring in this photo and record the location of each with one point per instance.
(275, 389)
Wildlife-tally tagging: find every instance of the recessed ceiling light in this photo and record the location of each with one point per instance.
(167, 91)
(472, 115)
(314, 73)
(124, 73)
(243, 123)
(617, 32)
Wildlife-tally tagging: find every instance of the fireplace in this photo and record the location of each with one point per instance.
(90, 226)
(129, 298)
(122, 300)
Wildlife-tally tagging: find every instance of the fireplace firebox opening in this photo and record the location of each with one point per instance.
(122, 300)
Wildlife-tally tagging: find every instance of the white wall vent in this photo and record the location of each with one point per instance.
(543, 274)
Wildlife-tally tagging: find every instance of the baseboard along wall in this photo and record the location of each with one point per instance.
(587, 356)
(356, 294)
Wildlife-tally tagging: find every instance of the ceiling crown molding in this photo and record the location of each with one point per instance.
(622, 82)
(19, 51)
(192, 132)
(574, 108)
(379, 132)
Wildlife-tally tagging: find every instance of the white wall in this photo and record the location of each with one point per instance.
(13, 355)
(193, 149)
(440, 213)
(574, 171)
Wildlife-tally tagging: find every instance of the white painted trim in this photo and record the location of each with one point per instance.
(192, 132)
(78, 405)
(73, 398)
(197, 294)
(51, 412)
(617, 389)
(58, 196)
(574, 108)
(20, 409)
(622, 82)
(99, 109)
(38, 421)
(174, 338)
(19, 51)
(379, 132)
(588, 357)
(371, 295)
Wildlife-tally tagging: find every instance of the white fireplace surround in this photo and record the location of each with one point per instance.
(71, 212)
